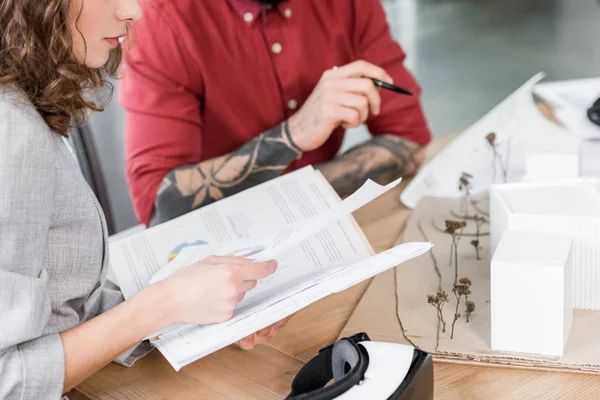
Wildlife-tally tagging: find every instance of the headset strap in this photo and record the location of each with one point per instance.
(310, 381)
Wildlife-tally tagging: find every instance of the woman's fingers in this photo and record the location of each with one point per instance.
(247, 343)
(217, 260)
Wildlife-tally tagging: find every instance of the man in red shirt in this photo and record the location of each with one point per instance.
(222, 95)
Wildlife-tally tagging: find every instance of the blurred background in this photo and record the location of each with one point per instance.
(467, 55)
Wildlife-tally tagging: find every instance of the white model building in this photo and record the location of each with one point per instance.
(531, 293)
(565, 207)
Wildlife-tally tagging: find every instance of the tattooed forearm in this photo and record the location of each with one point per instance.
(382, 159)
(189, 187)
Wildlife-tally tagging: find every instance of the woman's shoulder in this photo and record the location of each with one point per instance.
(14, 104)
(27, 145)
(20, 122)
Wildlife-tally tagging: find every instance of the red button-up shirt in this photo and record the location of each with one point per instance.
(206, 76)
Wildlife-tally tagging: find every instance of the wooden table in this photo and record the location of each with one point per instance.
(267, 372)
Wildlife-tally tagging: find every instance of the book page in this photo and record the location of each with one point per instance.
(332, 247)
(192, 342)
(302, 250)
(280, 202)
(332, 236)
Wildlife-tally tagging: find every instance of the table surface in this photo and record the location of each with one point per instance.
(267, 371)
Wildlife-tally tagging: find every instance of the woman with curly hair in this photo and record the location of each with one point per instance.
(60, 321)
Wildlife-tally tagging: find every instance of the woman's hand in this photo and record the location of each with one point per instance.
(208, 291)
(262, 336)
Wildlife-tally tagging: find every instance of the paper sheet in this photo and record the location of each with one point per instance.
(520, 128)
(570, 100)
(319, 232)
(330, 247)
(187, 344)
(302, 250)
(289, 199)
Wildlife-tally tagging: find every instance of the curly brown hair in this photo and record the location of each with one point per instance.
(37, 57)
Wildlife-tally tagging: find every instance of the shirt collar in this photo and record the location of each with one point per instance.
(245, 8)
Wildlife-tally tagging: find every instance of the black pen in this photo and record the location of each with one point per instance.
(393, 88)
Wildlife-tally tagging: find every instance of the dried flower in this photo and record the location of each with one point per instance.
(464, 182)
(438, 300)
(453, 226)
(470, 307)
(465, 281)
(462, 288)
(491, 139)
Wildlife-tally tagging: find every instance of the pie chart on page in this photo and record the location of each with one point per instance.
(184, 245)
(246, 252)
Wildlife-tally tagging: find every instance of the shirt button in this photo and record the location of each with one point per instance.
(292, 104)
(248, 17)
(276, 48)
(288, 12)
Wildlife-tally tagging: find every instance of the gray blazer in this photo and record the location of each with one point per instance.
(53, 253)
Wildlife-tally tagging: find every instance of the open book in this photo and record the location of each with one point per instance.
(296, 219)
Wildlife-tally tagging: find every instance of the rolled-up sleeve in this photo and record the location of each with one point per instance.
(112, 297)
(31, 363)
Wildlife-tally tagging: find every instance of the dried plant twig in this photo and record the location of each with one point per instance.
(433, 259)
(478, 248)
(464, 186)
(475, 205)
(497, 159)
(398, 311)
(439, 274)
(479, 221)
(455, 229)
(506, 163)
(463, 288)
(491, 139)
(438, 300)
(470, 307)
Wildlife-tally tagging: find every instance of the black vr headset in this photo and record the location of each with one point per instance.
(362, 369)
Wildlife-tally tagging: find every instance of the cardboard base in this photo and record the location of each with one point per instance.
(395, 307)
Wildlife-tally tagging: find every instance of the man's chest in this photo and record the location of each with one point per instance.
(259, 72)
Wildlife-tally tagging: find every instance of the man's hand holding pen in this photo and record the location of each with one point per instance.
(344, 96)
